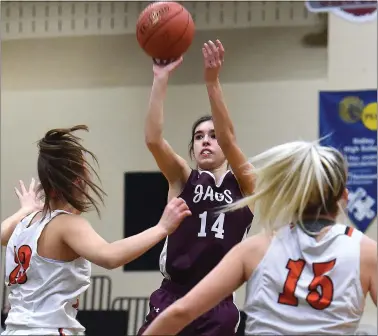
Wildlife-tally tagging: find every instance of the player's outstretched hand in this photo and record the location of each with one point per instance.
(28, 198)
(175, 211)
(163, 69)
(213, 57)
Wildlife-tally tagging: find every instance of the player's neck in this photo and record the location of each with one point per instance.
(325, 223)
(328, 217)
(63, 206)
(218, 172)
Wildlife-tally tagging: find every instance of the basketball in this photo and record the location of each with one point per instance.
(165, 30)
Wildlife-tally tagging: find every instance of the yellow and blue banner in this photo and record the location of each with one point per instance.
(348, 121)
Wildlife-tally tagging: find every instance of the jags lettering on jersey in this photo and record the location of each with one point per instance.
(209, 194)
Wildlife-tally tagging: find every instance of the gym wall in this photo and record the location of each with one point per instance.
(270, 81)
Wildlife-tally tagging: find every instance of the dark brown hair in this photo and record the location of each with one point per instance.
(194, 127)
(65, 173)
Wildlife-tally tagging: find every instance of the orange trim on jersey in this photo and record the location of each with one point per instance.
(76, 305)
(349, 231)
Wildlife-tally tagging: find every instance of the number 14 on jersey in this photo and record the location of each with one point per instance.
(216, 227)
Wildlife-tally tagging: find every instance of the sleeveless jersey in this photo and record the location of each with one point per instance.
(204, 238)
(304, 287)
(44, 293)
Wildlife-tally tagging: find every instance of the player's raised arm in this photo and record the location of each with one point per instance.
(213, 54)
(175, 168)
(28, 203)
(79, 235)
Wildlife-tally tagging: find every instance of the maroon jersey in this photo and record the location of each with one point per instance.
(204, 238)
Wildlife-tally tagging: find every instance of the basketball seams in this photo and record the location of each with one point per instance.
(143, 16)
(186, 29)
(162, 25)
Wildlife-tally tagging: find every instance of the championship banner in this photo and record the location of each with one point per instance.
(348, 122)
(357, 11)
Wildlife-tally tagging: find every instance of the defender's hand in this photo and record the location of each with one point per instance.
(175, 211)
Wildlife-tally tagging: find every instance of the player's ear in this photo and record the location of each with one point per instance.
(344, 195)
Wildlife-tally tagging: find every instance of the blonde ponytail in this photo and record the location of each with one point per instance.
(292, 180)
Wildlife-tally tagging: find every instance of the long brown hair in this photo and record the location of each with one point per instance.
(64, 172)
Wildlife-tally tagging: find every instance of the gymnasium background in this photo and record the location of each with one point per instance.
(79, 63)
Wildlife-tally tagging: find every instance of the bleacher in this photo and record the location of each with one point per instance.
(102, 315)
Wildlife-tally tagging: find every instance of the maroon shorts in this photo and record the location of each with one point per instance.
(221, 320)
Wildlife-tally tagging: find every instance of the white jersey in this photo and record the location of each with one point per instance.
(304, 287)
(44, 293)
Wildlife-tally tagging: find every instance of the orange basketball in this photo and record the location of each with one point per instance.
(165, 30)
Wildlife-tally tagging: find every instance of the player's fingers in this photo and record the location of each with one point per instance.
(183, 207)
(206, 57)
(208, 50)
(214, 49)
(175, 202)
(17, 192)
(221, 50)
(205, 47)
(179, 61)
(216, 61)
(204, 53)
(22, 186)
(180, 201)
(32, 185)
(219, 46)
(184, 214)
(160, 62)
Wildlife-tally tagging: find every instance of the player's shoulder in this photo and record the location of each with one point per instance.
(252, 245)
(66, 221)
(28, 218)
(368, 247)
(347, 231)
(69, 225)
(366, 240)
(259, 240)
(253, 249)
